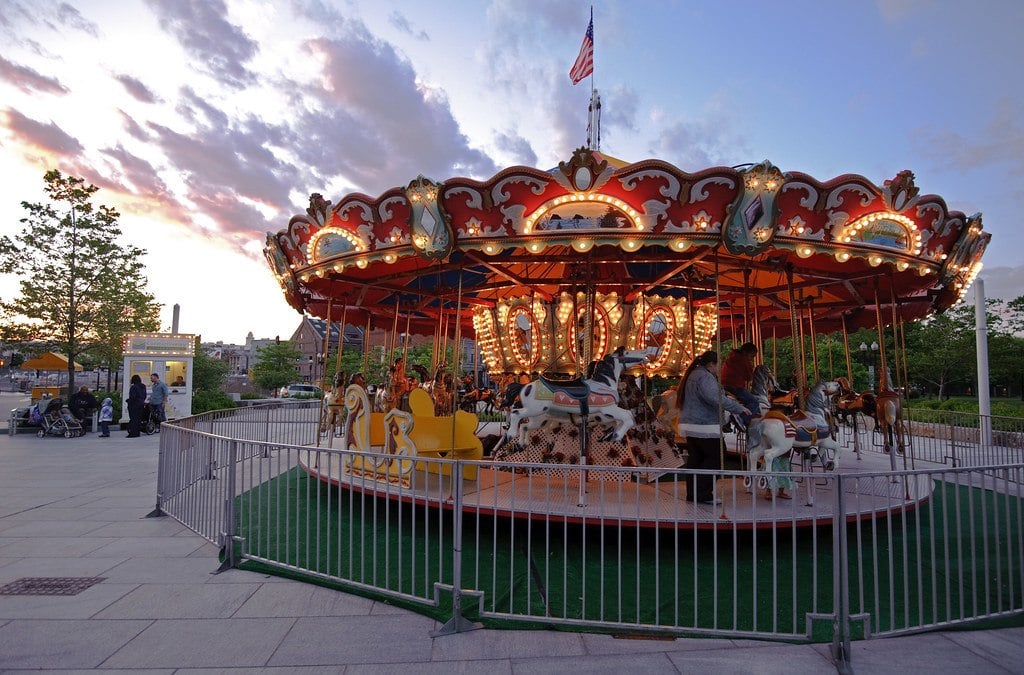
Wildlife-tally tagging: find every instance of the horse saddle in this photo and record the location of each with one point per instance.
(576, 389)
(803, 427)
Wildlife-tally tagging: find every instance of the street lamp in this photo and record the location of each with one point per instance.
(97, 371)
(869, 361)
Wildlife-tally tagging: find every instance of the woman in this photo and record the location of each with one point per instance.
(136, 404)
(699, 397)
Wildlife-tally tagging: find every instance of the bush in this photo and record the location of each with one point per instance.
(251, 396)
(202, 401)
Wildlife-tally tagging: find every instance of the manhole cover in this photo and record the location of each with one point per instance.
(49, 585)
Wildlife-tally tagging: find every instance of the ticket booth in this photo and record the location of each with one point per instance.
(170, 356)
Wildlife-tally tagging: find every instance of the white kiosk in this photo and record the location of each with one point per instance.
(169, 355)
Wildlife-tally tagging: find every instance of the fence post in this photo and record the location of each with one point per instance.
(230, 531)
(161, 472)
(458, 623)
(840, 581)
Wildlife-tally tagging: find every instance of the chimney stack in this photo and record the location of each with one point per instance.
(174, 320)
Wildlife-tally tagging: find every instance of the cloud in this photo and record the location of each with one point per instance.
(1000, 143)
(28, 80)
(72, 18)
(399, 21)
(518, 147)
(39, 136)
(369, 120)
(1004, 283)
(693, 144)
(895, 10)
(200, 27)
(137, 89)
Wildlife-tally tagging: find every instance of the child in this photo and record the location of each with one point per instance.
(106, 417)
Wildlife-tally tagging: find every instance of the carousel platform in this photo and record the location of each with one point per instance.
(547, 493)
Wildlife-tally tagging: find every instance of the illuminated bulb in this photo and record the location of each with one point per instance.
(842, 256)
(902, 265)
(875, 260)
(361, 263)
(390, 257)
(582, 245)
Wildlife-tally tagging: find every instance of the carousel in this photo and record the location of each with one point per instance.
(566, 280)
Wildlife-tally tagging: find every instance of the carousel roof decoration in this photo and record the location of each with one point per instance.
(664, 251)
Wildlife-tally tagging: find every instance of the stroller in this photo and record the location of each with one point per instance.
(57, 420)
(150, 420)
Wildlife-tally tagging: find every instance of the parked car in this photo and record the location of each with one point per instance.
(301, 391)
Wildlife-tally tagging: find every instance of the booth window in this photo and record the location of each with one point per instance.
(175, 373)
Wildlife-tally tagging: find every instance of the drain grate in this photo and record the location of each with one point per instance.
(49, 585)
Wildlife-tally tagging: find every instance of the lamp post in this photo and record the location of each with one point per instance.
(97, 371)
(869, 361)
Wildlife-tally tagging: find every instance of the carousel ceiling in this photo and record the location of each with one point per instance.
(768, 247)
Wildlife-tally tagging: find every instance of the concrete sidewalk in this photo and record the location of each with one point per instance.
(76, 508)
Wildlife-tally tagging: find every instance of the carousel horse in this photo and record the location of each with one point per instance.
(441, 388)
(781, 434)
(597, 396)
(475, 395)
(883, 406)
(395, 389)
(333, 415)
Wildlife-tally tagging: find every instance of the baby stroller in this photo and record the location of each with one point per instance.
(150, 420)
(57, 420)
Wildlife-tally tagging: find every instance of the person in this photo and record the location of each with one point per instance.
(82, 404)
(737, 372)
(178, 382)
(158, 399)
(106, 417)
(39, 409)
(698, 398)
(136, 404)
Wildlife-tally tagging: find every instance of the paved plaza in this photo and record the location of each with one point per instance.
(76, 508)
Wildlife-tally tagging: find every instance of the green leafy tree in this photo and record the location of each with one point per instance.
(75, 277)
(207, 374)
(276, 366)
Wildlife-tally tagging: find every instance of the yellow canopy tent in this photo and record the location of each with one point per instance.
(49, 361)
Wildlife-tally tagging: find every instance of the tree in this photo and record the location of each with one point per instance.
(276, 366)
(207, 374)
(79, 287)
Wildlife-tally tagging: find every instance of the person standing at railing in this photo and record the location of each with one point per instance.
(699, 397)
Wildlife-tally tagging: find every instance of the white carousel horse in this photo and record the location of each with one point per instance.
(598, 397)
(780, 433)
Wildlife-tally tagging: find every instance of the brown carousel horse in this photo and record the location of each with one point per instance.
(474, 395)
(394, 392)
(883, 406)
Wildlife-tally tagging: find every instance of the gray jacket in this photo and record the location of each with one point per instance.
(701, 400)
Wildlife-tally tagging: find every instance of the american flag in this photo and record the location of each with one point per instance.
(585, 61)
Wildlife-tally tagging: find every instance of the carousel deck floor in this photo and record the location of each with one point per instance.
(541, 493)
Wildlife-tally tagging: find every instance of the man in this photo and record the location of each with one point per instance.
(82, 404)
(737, 371)
(158, 399)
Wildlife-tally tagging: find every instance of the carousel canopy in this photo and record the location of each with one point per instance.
(751, 248)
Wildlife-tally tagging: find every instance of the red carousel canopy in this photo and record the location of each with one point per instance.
(768, 247)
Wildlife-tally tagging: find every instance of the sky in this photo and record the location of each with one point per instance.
(208, 123)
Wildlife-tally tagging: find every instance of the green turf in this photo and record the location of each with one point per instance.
(690, 581)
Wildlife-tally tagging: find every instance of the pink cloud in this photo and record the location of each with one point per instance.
(28, 80)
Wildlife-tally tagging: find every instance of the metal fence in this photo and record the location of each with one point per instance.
(939, 546)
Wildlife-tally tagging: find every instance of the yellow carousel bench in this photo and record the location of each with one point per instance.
(451, 437)
(413, 439)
